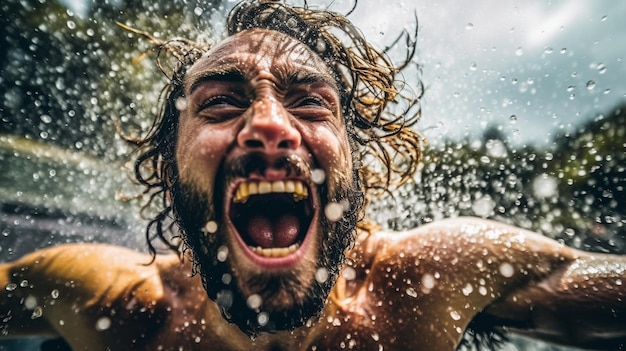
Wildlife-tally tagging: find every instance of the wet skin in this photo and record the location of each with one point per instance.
(264, 93)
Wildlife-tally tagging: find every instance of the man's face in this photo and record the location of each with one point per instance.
(263, 158)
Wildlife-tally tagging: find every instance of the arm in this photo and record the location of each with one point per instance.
(582, 303)
(66, 290)
(540, 288)
(442, 275)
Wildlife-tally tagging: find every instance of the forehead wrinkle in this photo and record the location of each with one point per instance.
(226, 73)
(243, 57)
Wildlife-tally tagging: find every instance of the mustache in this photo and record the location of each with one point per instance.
(245, 165)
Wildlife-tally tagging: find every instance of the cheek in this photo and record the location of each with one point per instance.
(331, 150)
(199, 154)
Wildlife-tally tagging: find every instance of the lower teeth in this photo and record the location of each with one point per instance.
(275, 251)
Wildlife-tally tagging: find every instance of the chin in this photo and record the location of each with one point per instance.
(273, 258)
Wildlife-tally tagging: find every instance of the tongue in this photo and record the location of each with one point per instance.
(281, 231)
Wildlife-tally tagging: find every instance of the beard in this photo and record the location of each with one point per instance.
(193, 208)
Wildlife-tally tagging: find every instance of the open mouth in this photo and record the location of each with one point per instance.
(271, 218)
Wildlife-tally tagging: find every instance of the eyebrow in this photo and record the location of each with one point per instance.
(224, 74)
(233, 74)
(304, 77)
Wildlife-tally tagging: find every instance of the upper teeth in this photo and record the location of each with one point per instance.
(254, 187)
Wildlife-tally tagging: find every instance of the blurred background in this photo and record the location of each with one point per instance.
(524, 114)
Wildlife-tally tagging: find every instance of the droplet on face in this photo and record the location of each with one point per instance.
(318, 176)
(181, 104)
(103, 323)
(333, 211)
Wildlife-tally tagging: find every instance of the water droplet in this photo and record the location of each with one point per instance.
(30, 302)
(473, 66)
(507, 270)
(591, 84)
(198, 11)
(601, 68)
(222, 253)
(428, 281)
(103, 323)
(455, 315)
(513, 119)
(333, 211)
(318, 176)
(181, 104)
(467, 289)
(254, 301)
(262, 318)
(469, 26)
(210, 227)
(320, 46)
(603, 18)
(45, 119)
(411, 292)
(519, 51)
(563, 51)
(226, 278)
(484, 206)
(548, 50)
(10, 287)
(292, 22)
(37, 312)
(321, 275)
(71, 24)
(348, 273)
(375, 336)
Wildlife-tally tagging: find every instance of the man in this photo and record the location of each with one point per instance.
(260, 155)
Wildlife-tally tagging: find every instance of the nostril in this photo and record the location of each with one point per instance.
(253, 144)
(285, 144)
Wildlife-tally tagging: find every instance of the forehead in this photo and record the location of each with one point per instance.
(258, 50)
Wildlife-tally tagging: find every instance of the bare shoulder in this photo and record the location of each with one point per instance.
(465, 247)
(465, 234)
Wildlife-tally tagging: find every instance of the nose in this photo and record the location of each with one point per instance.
(269, 129)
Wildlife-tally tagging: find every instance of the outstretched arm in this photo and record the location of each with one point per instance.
(78, 292)
(445, 274)
(582, 303)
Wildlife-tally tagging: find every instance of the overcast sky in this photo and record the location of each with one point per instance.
(550, 64)
(533, 67)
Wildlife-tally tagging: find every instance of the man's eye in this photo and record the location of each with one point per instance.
(220, 101)
(310, 101)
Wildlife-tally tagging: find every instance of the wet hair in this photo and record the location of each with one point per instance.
(378, 106)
